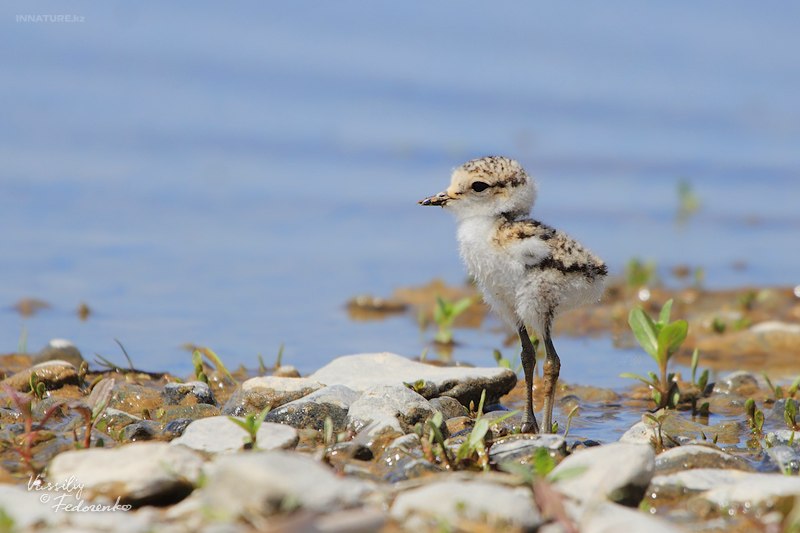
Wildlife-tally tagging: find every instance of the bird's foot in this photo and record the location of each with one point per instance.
(530, 427)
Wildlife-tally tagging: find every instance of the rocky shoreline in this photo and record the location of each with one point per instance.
(349, 448)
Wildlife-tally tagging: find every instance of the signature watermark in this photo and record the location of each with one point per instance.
(67, 496)
(51, 18)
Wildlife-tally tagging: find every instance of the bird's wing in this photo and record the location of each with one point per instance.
(528, 241)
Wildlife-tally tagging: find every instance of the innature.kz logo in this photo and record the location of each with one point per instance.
(50, 18)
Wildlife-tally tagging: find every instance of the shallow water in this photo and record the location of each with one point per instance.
(231, 178)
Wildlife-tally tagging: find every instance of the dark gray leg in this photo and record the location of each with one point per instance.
(528, 358)
(550, 370)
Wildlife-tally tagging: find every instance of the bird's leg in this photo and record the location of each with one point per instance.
(528, 358)
(550, 369)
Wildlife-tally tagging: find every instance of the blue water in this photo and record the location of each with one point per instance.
(229, 175)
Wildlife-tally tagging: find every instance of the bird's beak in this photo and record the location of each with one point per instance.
(440, 199)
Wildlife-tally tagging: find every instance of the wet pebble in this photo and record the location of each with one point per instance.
(694, 456)
(144, 473)
(219, 434)
(449, 407)
(679, 484)
(451, 502)
(193, 412)
(141, 431)
(523, 449)
(727, 404)
(61, 350)
(311, 411)
(252, 485)
(619, 472)
(757, 493)
(190, 393)
(255, 394)
(363, 371)
(739, 382)
(135, 399)
(394, 407)
(54, 375)
(610, 518)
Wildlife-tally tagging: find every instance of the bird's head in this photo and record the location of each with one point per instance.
(489, 186)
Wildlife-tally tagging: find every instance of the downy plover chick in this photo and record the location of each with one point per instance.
(527, 271)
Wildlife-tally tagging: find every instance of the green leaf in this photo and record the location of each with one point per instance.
(670, 339)
(663, 317)
(543, 464)
(644, 330)
(695, 357)
(750, 408)
(759, 419)
(793, 388)
(461, 306)
(701, 385)
(778, 392)
(631, 375)
(790, 413)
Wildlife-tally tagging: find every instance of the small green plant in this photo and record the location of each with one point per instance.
(703, 381)
(445, 313)
(251, 424)
(24, 405)
(656, 421)
(754, 416)
(717, 325)
(790, 414)
(218, 364)
(199, 371)
(640, 274)
(505, 363)
(661, 340)
(572, 413)
(37, 387)
(473, 450)
(793, 388)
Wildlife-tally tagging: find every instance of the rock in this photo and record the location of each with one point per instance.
(176, 428)
(190, 393)
(360, 372)
(740, 382)
(362, 520)
(449, 407)
(619, 472)
(784, 437)
(310, 411)
(255, 394)
(59, 350)
(452, 502)
(680, 484)
(245, 485)
(611, 518)
(694, 456)
(135, 399)
(192, 412)
(286, 371)
(459, 423)
(141, 431)
(523, 449)
(684, 431)
(218, 434)
(147, 473)
(116, 419)
(784, 458)
(776, 342)
(409, 467)
(389, 406)
(755, 493)
(54, 375)
(724, 404)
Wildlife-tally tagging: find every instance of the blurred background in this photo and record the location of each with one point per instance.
(231, 175)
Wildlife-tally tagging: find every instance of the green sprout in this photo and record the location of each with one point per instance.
(445, 313)
(251, 425)
(199, 371)
(661, 340)
(701, 384)
(754, 416)
(37, 387)
(776, 390)
(569, 420)
(790, 414)
(640, 274)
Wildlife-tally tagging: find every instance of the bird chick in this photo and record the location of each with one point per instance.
(527, 271)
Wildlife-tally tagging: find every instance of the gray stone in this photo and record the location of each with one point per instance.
(523, 449)
(192, 412)
(134, 399)
(256, 394)
(476, 501)
(694, 456)
(449, 407)
(141, 431)
(310, 411)
(389, 406)
(619, 472)
(757, 492)
(690, 482)
(360, 372)
(146, 473)
(739, 382)
(244, 485)
(218, 434)
(724, 404)
(54, 374)
(61, 350)
(612, 518)
(785, 459)
(362, 520)
(189, 393)
(116, 419)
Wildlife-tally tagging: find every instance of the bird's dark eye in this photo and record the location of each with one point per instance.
(479, 186)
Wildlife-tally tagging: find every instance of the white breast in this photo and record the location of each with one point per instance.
(497, 272)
